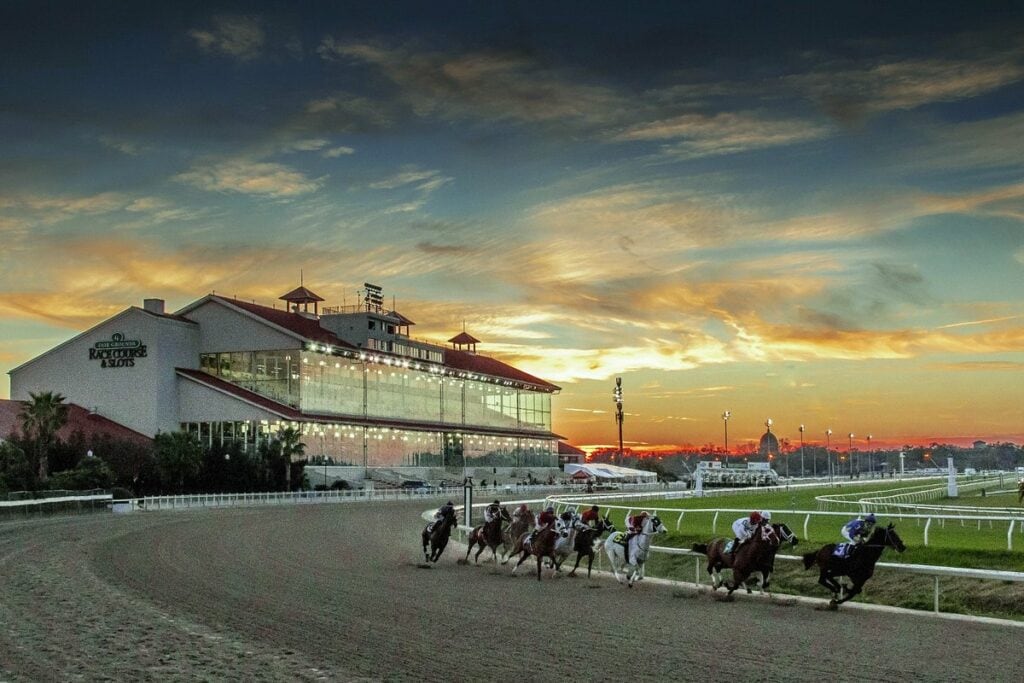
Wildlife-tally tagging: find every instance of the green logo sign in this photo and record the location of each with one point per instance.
(118, 352)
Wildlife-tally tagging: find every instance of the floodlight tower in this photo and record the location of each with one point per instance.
(802, 450)
(828, 452)
(851, 455)
(725, 421)
(617, 394)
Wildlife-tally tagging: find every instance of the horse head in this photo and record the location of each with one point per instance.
(768, 534)
(605, 524)
(893, 540)
(503, 514)
(785, 533)
(654, 525)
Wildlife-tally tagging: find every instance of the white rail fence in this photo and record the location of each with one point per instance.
(936, 572)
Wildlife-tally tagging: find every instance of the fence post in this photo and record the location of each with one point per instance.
(1009, 535)
(936, 594)
(714, 523)
(926, 525)
(680, 520)
(807, 520)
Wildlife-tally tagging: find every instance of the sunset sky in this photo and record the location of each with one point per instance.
(782, 211)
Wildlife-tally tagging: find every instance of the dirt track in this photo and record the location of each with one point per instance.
(315, 593)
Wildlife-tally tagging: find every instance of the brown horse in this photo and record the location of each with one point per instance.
(859, 567)
(585, 540)
(488, 535)
(759, 551)
(514, 531)
(437, 537)
(540, 547)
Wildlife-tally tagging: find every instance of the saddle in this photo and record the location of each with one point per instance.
(621, 537)
(844, 551)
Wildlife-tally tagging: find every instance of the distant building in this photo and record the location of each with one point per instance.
(358, 387)
(979, 444)
(768, 446)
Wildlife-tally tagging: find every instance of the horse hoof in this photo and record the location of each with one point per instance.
(833, 605)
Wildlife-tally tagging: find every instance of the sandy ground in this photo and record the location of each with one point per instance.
(333, 592)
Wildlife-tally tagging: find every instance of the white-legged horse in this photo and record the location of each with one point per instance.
(640, 544)
(566, 542)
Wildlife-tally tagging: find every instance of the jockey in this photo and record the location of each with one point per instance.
(492, 512)
(857, 530)
(566, 519)
(545, 520)
(591, 516)
(520, 512)
(744, 527)
(446, 509)
(635, 523)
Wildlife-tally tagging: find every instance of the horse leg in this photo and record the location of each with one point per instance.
(538, 567)
(472, 542)
(522, 559)
(576, 566)
(850, 593)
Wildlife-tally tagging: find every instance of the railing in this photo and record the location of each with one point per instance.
(57, 504)
(936, 572)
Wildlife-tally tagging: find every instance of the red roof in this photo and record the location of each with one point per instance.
(306, 327)
(79, 420)
(300, 295)
(568, 449)
(463, 338)
(471, 362)
(209, 380)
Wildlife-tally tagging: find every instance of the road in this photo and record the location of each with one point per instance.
(334, 592)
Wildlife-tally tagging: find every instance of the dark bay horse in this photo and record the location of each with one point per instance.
(542, 546)
(585, 540)
(437, 538)
(514, 532)
(757, 553)
(859, 566)
(488, 535)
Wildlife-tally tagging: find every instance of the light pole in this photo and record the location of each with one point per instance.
(851, 455)
(725, 420)
(618, 412)
(871, 459)
(828, 452)
(801, 450)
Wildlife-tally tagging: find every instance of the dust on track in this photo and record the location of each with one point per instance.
(333, 592)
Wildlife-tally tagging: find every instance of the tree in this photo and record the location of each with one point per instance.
(41, 417)
(178, 456)
(15, 468)
(291, 446)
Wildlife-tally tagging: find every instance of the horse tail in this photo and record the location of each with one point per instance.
(809, 559)
(701, 548)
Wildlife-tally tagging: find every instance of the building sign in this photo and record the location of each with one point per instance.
(118, 352)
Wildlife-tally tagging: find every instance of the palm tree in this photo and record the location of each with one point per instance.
(291, 445)
(41, 418)
(179, 456)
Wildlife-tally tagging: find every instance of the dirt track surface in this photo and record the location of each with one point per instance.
(333, 592)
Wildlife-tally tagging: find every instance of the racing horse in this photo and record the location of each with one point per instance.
(488, 535)
(764, 563)
(585, 540)
(619, 558)
(437, 537)
(543, 545)
(514, 533)
(753, 555)
(568, 526)
(858, 567)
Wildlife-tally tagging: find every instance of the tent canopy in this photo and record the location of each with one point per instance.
(606, 471)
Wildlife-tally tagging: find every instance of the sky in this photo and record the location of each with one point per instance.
(809, 212)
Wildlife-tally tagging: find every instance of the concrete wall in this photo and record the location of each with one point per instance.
(202, 404)
(142, 394)
(224, 329)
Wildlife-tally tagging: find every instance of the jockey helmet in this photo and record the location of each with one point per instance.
(755, 517)
(524, 507)
(550, 508)
(449, 503)
(766, 516)
(496, 503)
(594, 508)
(870, 519)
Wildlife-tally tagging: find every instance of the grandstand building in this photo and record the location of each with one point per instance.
(361, 390)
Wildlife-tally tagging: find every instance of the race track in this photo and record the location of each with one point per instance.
(333, 592)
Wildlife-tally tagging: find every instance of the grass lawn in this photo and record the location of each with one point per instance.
(973, 544)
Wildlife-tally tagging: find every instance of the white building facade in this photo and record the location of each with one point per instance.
(362, 392)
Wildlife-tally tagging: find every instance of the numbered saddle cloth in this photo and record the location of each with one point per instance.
(728, 546)
(620, 538)
(843, 550)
